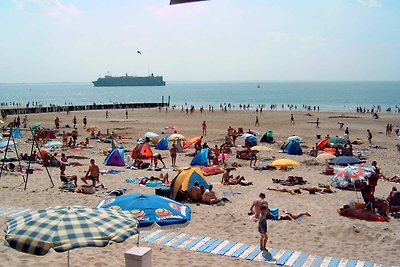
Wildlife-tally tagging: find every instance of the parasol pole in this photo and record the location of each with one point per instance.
(68, 258)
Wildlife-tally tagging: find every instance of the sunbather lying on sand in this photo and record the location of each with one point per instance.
(285, 190)
(395, 179)
(313, 190)
(286, 215)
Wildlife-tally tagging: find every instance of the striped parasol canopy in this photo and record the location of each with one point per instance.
(67, 227)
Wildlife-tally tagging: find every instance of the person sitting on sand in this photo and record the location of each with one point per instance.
(209, 196)
(286, 215)
(67, 179)
(392, 194)
(372, 203)
(140, 164)
(195, 192)
(255, 208)
(285, 190)
(92, 135)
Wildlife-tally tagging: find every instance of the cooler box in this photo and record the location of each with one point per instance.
(273, 214)
(163, 191)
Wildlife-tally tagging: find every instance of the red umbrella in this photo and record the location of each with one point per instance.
(322, 144)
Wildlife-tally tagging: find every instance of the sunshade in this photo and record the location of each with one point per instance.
(336, 141)
(322, 144)
(65, 228)
(347, 177)
(36, 126)
(92, 128)
(245, 135)
(261, 148)
(284, 163)
(53, 144)
(4, 143)
(176, 137)
(293, 137)
(174, 2)
(192, 141)
(344, 161)
(151, 135)
(324, 157)
(150, 209)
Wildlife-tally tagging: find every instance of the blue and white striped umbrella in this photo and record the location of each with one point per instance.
(66, 228)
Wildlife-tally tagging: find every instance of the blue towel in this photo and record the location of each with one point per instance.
(114, 171)
(132, 181)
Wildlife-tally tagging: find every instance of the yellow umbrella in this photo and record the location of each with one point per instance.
(284, 163)
(1, 122)
(325, 157)
(176, 137)
(261, 148)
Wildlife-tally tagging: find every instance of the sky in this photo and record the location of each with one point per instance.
(216, 40)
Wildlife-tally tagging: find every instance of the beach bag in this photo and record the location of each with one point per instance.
(87, 189)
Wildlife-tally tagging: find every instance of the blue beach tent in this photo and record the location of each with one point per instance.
(163, 144)
(293, 148)
(201, 158)
(115, 158)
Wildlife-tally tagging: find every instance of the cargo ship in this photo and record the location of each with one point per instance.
(126, 80)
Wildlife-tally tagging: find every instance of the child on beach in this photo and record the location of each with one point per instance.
(262, 228)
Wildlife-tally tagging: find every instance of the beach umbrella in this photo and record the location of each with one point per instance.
(344, 161)
(92, 128)
(284, 163)
(322, 144)
(151, 135)
(53, 144)
(324, 157)
(348, 176)
(293, 137)
(192, 141)
(150, 209)
(336, 141)
(176, 137)
(4, 144)
(66, 228)
(36, 126)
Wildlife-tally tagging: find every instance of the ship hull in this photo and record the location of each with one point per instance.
(129, 81)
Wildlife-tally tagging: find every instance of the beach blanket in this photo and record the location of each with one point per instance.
(290, 182)
(132, 181)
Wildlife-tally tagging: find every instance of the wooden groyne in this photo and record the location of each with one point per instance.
(94, 106)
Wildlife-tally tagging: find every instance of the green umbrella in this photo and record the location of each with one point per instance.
(336, 141)
(36, 126)
(65, 228)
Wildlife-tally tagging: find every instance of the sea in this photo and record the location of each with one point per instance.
(328, 96)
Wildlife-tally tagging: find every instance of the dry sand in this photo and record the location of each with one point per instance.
(325, 233)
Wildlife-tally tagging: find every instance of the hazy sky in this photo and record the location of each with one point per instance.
(79, 40)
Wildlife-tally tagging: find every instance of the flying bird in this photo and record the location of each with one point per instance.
(139, 52)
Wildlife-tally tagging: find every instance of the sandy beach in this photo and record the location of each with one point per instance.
(325, 233)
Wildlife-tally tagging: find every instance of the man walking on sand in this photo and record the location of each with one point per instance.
(204, 128)
(257, 122)
(291, 119)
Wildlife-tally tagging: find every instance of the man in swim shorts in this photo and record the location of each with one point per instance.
(92, 173)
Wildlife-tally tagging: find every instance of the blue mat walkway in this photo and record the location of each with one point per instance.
(246, 251)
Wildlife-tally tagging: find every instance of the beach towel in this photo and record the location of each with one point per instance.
(132, 181)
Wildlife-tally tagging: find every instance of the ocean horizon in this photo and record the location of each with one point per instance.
(328, 95)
